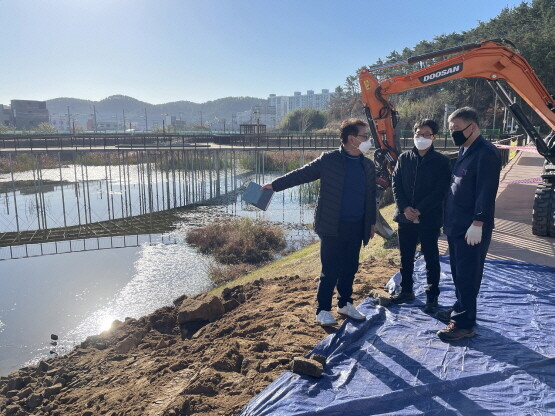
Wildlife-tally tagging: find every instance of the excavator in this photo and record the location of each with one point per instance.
(491, 60)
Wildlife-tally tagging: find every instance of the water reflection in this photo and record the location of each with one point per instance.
(77, 288)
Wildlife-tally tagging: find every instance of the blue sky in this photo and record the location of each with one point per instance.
(199, 50)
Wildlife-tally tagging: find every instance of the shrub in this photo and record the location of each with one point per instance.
(240, 240)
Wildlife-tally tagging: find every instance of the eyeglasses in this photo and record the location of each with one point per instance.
(362, 135)
(427, 136)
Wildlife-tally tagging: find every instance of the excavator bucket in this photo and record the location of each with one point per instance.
(382, 227)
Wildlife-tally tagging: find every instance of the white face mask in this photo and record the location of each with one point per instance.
(422, 143)
(364, 147)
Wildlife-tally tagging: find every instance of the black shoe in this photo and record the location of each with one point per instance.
(431, 304)
(444, 316)
(403, 297)
(453, 333)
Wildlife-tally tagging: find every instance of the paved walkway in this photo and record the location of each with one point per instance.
(512, 236)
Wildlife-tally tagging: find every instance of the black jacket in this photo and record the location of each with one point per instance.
(473, 188)
(330, 169)
(421, 183)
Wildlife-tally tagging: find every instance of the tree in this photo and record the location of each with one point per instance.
(46, 128)
(4, 129)
(305, 119)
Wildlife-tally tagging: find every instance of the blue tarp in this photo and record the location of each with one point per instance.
(394, 363)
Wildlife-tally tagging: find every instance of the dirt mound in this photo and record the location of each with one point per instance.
(203, 355)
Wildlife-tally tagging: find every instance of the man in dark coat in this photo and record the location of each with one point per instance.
(420, 183)
(469, 214)
(345, 215)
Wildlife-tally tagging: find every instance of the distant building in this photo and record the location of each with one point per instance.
(5, 116)
(244, 117)
(282, 104)
(59, 121)
(29, 114)
(107, 126)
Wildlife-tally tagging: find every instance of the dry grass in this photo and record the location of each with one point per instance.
(223, 273)
(284, 161)
(240, 240)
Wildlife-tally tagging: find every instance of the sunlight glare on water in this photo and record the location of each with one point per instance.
(162, 273)
(105, 323)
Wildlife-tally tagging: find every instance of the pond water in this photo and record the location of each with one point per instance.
(80, 292)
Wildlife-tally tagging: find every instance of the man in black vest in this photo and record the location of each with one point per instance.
(420, 183)
(469, 214)
(344, 217)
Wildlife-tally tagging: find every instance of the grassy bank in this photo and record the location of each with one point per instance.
(307, 260)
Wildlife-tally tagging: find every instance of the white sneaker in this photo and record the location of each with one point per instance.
(325, 318)
(350, 311)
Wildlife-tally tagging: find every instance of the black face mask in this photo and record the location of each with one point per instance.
(458, 136)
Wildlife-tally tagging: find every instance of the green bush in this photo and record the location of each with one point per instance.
(240, 240)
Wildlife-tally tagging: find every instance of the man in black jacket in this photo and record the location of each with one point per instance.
(469, 214)
(345, 215)
(420, 183)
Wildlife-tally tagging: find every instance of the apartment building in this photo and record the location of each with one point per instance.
(282, 104)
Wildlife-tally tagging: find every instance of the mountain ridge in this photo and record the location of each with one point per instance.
(115, 106)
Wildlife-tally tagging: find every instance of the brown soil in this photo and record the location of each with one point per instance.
(150, 366)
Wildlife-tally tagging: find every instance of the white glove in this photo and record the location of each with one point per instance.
(473, 235)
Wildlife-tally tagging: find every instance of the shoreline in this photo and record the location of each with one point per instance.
(205, 354)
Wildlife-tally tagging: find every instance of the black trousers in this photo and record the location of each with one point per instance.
(409, 235)
(467, 268)
(339, 257)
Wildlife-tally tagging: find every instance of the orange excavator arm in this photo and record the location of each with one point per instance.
(488, 60)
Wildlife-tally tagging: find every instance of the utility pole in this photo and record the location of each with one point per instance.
(146, 121)
(94, 110)
(201, 118)
(124, 120)
(68, 121)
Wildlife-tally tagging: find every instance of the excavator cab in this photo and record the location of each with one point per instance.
(491, 60)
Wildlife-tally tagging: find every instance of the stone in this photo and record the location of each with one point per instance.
(319, 357)
(249, 364)
(204, 307)
(35, 400)
(15, 383)
(268, 365)
(127, 344)
(25, 393)
(260, 346)
(44, 366)
(381, 297)
(12, 410)
(179, 366)
(52, 390)
(163, 320)
(226, 293)
(179, 300)
(306, 366)
(231, 304)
